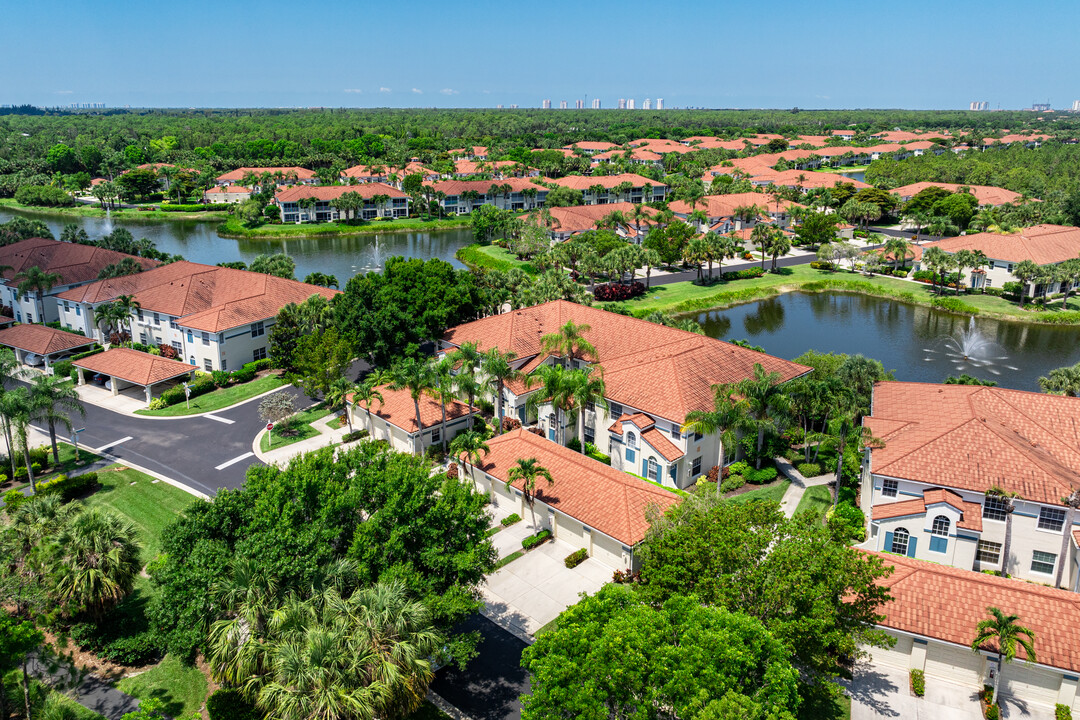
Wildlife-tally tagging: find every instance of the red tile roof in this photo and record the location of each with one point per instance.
(228, 190)
(204, 297)
(584, 182)
(1042, 244)
(660, 370)
(134, 366)
(946, 603)
(591, 492)
(641, 420)
(970, 513)
(239, 173)
(397, 409)
(457, 187)
(591, 145)
(295, 193)
(661, 444)
(972, 438)
(41, 339)
(985, 194)
(579, 218)
(642, 154)
(73, 262)
(724, 205)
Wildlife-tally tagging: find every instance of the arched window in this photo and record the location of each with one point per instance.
(941, 526)
(900, 541)
(551, 420)
(654, 470)
(631, 440)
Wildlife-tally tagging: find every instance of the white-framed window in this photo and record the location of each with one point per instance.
(173, 324)
(177, 345)
(631, 440)
(675, 432)
(988, 552)
(1043, 562)
(900, 539)
(139, 312)
(142, 338)
(695, 467)
(889, 488)
(994, 508)
(157, 319)
(590, 435)
(654, 470)
(206, 338)
(940, 526)
(436, 435)
(1051, 519)
(224, 364)
(259, 354)
(208, 364)
(258, 329)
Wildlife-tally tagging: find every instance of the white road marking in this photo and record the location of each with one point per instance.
(227, 421)
(235, 460)
(113, 444)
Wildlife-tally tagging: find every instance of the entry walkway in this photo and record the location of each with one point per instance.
(282, 455)
(798, 485)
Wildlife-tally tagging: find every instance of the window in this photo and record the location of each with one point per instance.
(224, 364)
(590, 434)
(614, 409)
(673, 472)
(675, 433)
(258, 329)
(66, 306)
(259, 354)
(142, 338)
(1051, 519)
(206, 338)
(994, 508)
(78, 310)
(988, 552)
(177, 346)
(631, 446)
(208, 365)
(1043, 562)
(900, 541)
(190, 337)
(139, 313)
(889, 488)
(654, 470)
(697, 437)
(173, 324)
(436, 435)
(157, 319)
(941, 526)
(695, 467)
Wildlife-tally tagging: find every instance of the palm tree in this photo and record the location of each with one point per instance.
(721, 421)
(472, 446)
(569, 342)
(899, 248)
(936, 260)
(761, 236)
(468, 358)
(584, 389)
(499, 368)
(50, 396)
(651, 259)
(1008, 634)
(10, 370)
(97, 561)
(1027, 272)
(17, 409)
(442, 389)
(779, 244)
(1062, 381)
(416, 377)
(527, 471)
(1008, 507)
(366, 393)
(555, 389)
(34, 279)
(695, 253)
(336, 397)
(728, 246)
(763, 403)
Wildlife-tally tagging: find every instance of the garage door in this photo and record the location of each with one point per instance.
(1030, 684)
(571, 532)
(897, 657)
(608, 551)
(954, 664)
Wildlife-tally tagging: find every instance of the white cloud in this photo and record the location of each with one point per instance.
(418, 91)
(353, 90)
(64, 92)
(448, 91)
(384, 89)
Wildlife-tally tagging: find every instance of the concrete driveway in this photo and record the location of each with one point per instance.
(880, 692)
(531, 591)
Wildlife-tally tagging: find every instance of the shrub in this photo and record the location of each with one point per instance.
(158, 403)
(229, 704)
(486, 407)
(953, 304)
(737, 468)
(576, 558)
(996, 292)
(760, 477)
(39, 456)
(747, 274)
(1062, 712)
(435, 454)
(21, 475)
(3, 478)
(194, 207)
(510, 423)
(92, 351)
(43, 196)
(452, 471)
(221, 378)
(168, 352)
(12, 500)
(62, 368)
(821, 265)
(533, 540)
(354, 436)
(846, 522)
(1012, 288)
(258, 365)
(918, 682)
(618, 291)
(35, 468)
(69, 488)
(141, 347)
(923, 275)
(733, 483)
(900, 273)
(244, 375)
(138, 649)
(992, 712)
(809, 469)
(510, 520)
(74, 375)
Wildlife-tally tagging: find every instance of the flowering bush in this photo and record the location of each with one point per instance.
(510, 423)
(618, 291)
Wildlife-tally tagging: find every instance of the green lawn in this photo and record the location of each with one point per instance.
(181, 688)
(492, 257)
(234, 228)
(816, 500)
(773, 493)
(427, 711)
(302, 422)
(844, 169)
(95, 211)
(220, 398)
(147, 502)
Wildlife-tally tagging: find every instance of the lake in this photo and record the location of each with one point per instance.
(910, 340)
(342, 256)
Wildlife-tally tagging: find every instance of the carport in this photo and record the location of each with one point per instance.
(133, 369)
(50, 343)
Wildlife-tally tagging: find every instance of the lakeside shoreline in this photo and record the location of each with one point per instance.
(235, 231)
(82, 210)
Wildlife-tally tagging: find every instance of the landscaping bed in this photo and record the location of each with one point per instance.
(220, 398)
(299, 427)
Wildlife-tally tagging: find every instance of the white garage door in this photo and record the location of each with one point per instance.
(608, 551)
(897, 657)
(953, 664)
(1030, 684)
(571, 532)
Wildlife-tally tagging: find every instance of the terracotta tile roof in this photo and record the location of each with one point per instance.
(295, 193)
(204, 297)
(41, 339)
(724, 205)
(228, 190)
(591, 145)
(397, 409)
(359, 171)
(596, 494)
(73, 262)
(643, 154)
(641, 420)
(899, 136)
(970, 513)
(808, 179)
(946, 603)
(660, 370)
(134, 366)
(1042, 244)
(583, 182)
(985, 194)
(456, 187)
(972, 438)
(661, 444)
(239, 173)
(579, 218)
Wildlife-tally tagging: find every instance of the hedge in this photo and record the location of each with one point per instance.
(809, 469)
(69, 488)
(62, 368)
(92, 351)
(194, 207)
(952, 304)
(43, 196)
(747, 274)
(733, 483)
(618, 291)
(229, 704)
(533, 540)
(354, 435)
(510, 520)
(576, 558)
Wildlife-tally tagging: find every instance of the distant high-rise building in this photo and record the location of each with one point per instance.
(622, 103)
(1076, 105)
(647, 105)
(977, 105)
(659, 103)
(596, 103)
(1040, 107)
(562, 104)
(513, 107)
(546, 104)
(579, 104)
(498, 107)
(630, 104)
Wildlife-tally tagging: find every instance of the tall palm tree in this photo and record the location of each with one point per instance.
(761, 236)
(555, 389)
(764, 404)
(52, 399)
(1008, 507)
(585, 388)
(336, 397)
(527, 470)
(17, 409)
(366, 393)
(499, 369)
(416, 377)
(472, 446)
(34, 279)
(10, 371)
(899, 248)
(935, 260)
(569, 342)
(1009, 635)
(97, 561)
(721, 421)
(1027, 271)
(442, 389)
(467, 359)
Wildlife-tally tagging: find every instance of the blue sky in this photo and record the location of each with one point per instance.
(836, 54)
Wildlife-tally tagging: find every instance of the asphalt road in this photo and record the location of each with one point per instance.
(491, 686)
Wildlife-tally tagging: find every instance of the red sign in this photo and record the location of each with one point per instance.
(269, 426)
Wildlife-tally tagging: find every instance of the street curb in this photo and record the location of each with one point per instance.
(159, 476)
(438, 701)
(199, 415)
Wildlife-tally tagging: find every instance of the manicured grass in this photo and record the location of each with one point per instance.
(552, 625)
(147, 502)
(181, 688)
(844, 169)
(67, 464)
(234, 228)
(509, 558)
(301, 422)
(773, 493)
(816, 500)
(492, 257)
(220, 398)
(95, 211)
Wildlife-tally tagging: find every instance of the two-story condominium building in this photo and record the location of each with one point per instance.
(230, 194)
(461, 197)
(1042, 244)
(379, 201)
(280, 175)
(942, 447)
(591, 146)
(574, 219)
(722, 210)
(607, 189)
(75, 264)
(987, 195)
(215, 318)
(654, 375)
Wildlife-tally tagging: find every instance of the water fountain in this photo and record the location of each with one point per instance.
(971, 350)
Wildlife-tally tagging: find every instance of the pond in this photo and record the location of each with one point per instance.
(342, 257)
(911, 340)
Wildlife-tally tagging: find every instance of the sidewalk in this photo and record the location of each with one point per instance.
(90, 691)
(798, 486)
(282, 455)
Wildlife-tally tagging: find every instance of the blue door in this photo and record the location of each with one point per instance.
(551, 433)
